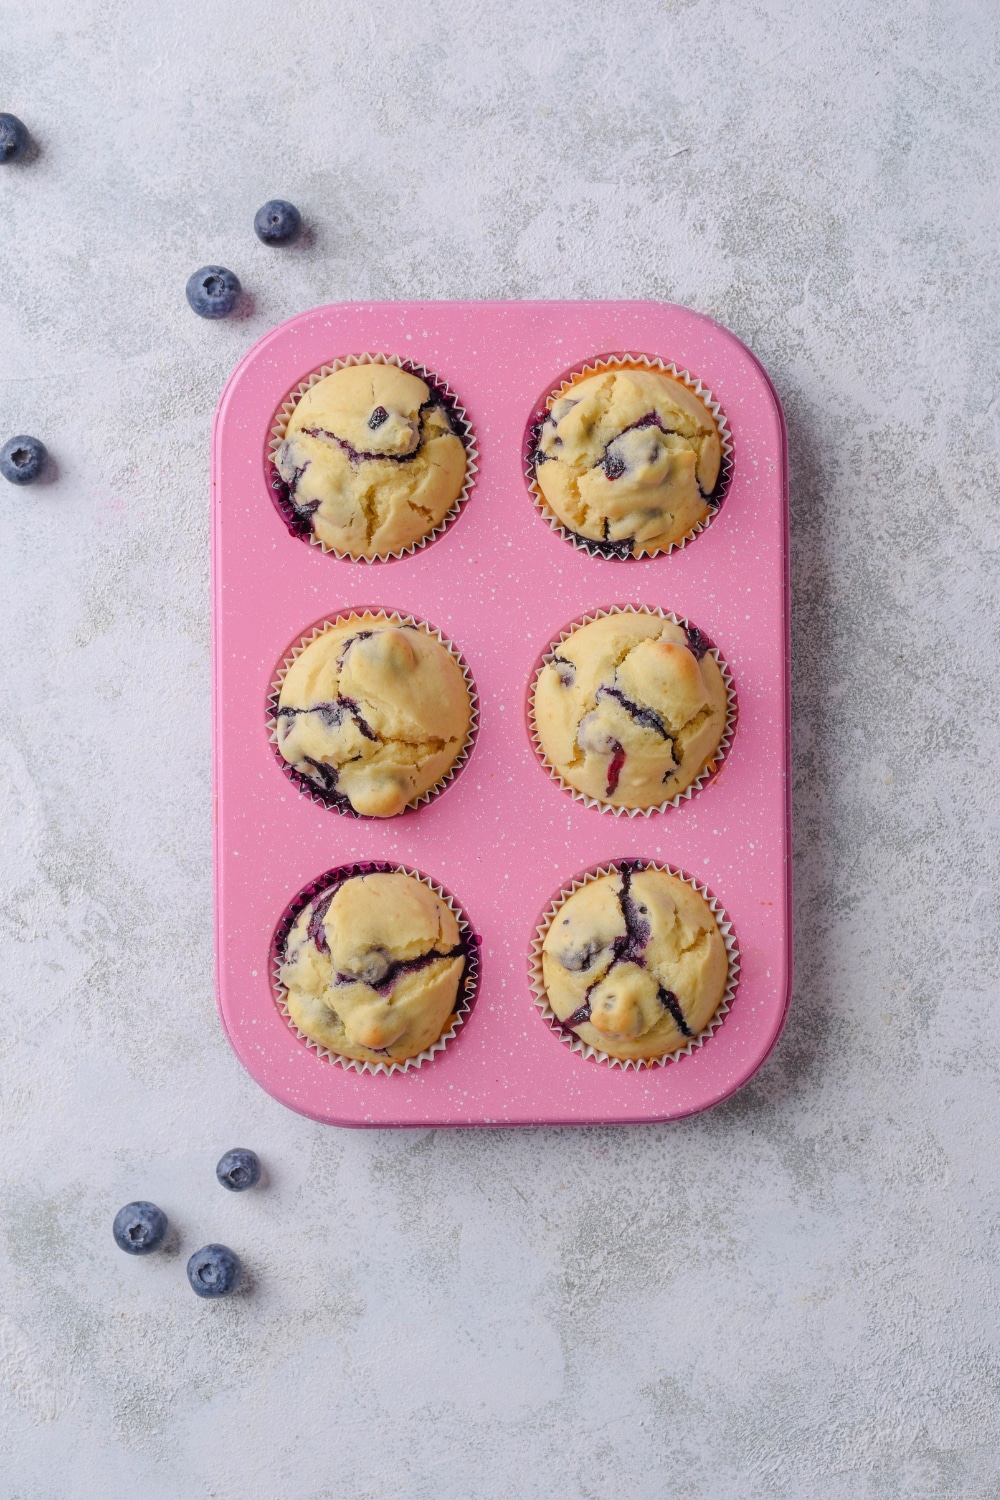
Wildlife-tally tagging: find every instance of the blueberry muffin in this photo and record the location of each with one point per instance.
(371, 968)
(634, 962)
(631, 709)
(373, 714)
(372, 460)
(629, 459)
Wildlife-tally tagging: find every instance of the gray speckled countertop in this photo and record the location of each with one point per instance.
(793, 1296)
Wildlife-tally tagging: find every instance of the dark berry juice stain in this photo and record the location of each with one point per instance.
(362, 635)
(622, 550)
(332, 715)
(631, 948)
(350, 706)
(698, 644)
(402, 966)
(316, 932)
(715, 497)
(296, 515)
(615, 768)
(578, 959)
(670, 1003)
(359, 455)
(582, 1012)
(324, 785)
(644, 716)
(613, 464)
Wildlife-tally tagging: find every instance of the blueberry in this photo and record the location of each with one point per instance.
(578, 959)
(14, 138)
(22, 459)
(565, 671)
(277, 222)
(214, 1271)
(213, 292)
(139, 1228)
(239, 1169)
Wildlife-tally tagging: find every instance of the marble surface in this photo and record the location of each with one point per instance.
(794, 1295)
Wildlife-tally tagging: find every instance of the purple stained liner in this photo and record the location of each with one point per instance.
(469, 944)
(297, 518)
(324, 791)
(620, 551)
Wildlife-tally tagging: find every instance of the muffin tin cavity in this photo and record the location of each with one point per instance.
(386, 473)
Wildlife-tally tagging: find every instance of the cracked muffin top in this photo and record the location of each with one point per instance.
(371, 967)
(629, 459)
(371, 460)
(373, 714)
(634, 962)
(631, 709)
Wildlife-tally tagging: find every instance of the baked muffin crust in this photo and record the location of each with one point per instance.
(371, 460)
(371, 968)
(634, 962)
(629, 458)
(631, 709)
(373, 714)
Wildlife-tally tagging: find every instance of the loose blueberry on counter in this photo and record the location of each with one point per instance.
(139, 1228)
(213, 292)
(277, 222)
(214, 1271)
(239, 1169)
(22, 459)
(14, 138)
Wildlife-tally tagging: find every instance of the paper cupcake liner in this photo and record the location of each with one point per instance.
(570, 1038)
(622, 551)
(702, 779)
(278, 489)
(309, 788)
(467, 991)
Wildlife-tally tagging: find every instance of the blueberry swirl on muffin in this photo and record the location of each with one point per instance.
(372, 714)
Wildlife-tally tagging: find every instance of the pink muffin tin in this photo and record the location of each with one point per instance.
(502, 837)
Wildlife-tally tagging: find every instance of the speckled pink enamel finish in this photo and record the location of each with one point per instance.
(503, 837)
